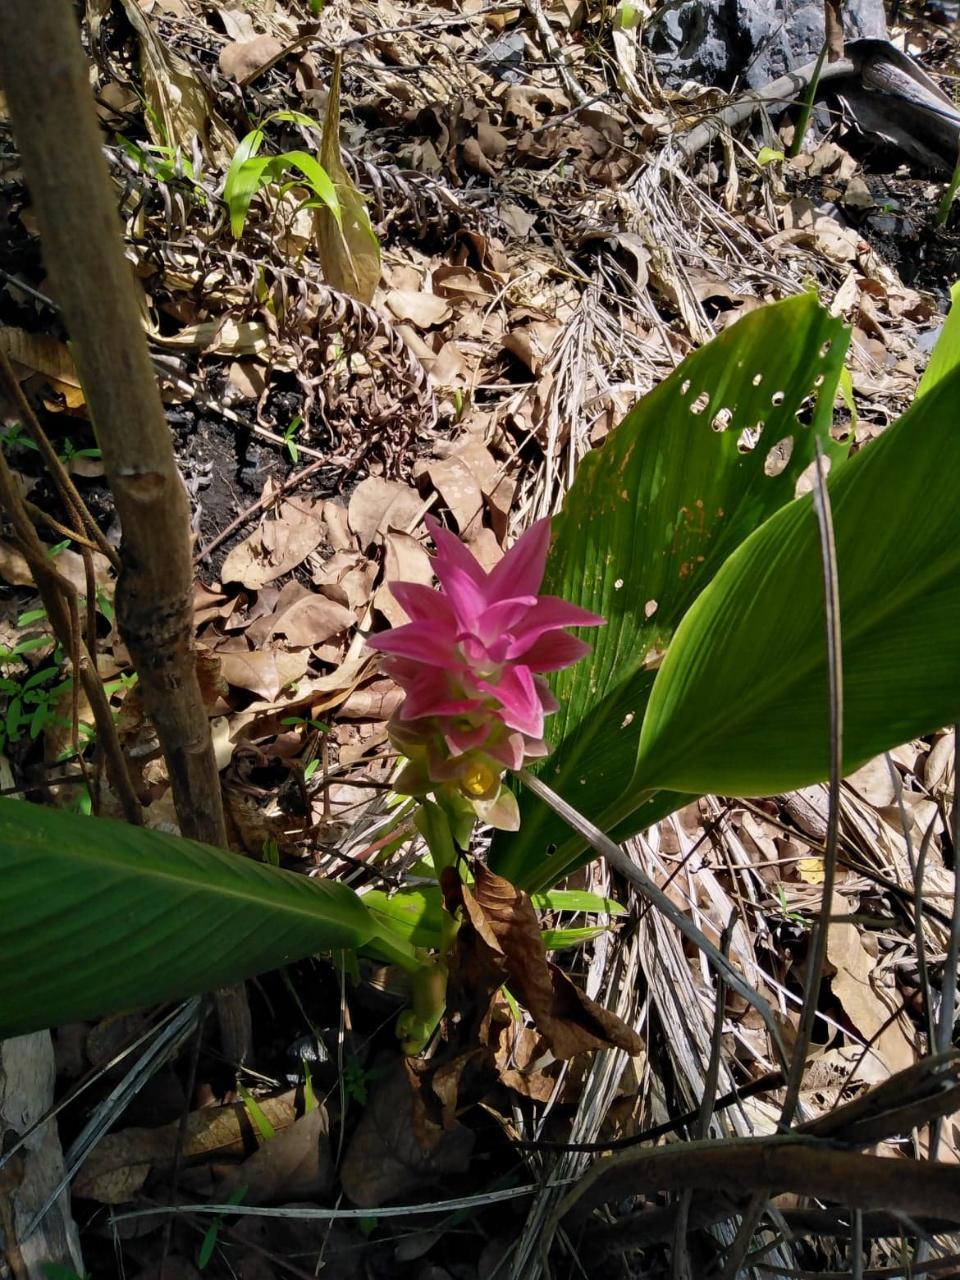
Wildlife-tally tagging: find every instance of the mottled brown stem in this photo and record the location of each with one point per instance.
(45, 77)
(60, 601)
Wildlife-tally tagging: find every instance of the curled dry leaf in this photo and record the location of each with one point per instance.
(569, 1021)
(347, 245)
(120, 1163)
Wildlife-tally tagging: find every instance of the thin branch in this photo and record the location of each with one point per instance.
(617, 859)
(60, 601)
(821, 930)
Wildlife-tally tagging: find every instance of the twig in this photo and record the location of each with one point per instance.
(617, 859)
(803, 1165)
(818, 942)
(783, 90)
(948, 999)
(255, 508)
(58, 473)
(555, 54)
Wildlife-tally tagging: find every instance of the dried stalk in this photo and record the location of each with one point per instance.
(60, 601)
(66, 173)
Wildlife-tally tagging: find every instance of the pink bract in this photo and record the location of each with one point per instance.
(472, 662)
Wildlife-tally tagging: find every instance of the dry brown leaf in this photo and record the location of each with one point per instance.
(264, 671)
(569, 1021)
(69, 564)
(404, 560)
(422, 309)
(225, 336)
(873, 782)
(375, 701)
(244, 60)
(348, 248)
(463, 284)
(275, 548)
(119, 1164)
(386, 1158)
(309, 621)
(13, 566)
(38, 353)
(458, 486)
(181, 112)
(378, 504)
(297, 1164)
(868, 999)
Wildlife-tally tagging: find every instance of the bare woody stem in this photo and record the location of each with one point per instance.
(60, 145)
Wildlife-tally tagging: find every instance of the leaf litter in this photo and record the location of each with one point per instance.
(543, 261)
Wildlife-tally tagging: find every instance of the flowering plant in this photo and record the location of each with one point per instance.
(472, 663)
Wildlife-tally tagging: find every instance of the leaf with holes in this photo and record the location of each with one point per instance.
(740, 704)
(99, 916)
(694, 469)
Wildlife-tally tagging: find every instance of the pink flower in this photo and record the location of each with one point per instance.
(472, 661)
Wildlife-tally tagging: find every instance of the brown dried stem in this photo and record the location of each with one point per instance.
(69, 183)
(60, 601)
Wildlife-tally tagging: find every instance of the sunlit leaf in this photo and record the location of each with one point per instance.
(100, 916)
(946, 354)
(740, 704)
(698, 464)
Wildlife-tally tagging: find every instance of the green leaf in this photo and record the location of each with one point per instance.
(740, 704)
(561, 939)
(576, 900)
(649, 520)
(248, 174)
(415, 913)
(317, 178)
(946, 354)
(256, 1113)
(99, 916)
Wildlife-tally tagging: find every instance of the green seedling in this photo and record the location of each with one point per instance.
(288, 440)
(306, 723)
(256, 1114)
(250, 174)
(806, 110)
(70, 451)
(357, 1080)
(209, 1242)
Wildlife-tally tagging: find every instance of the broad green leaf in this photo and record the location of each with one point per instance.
(946, 354)
(317, 179)
(248, 174)
(347, 245)
(649, 520)
(740, 704)
(99, 916)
